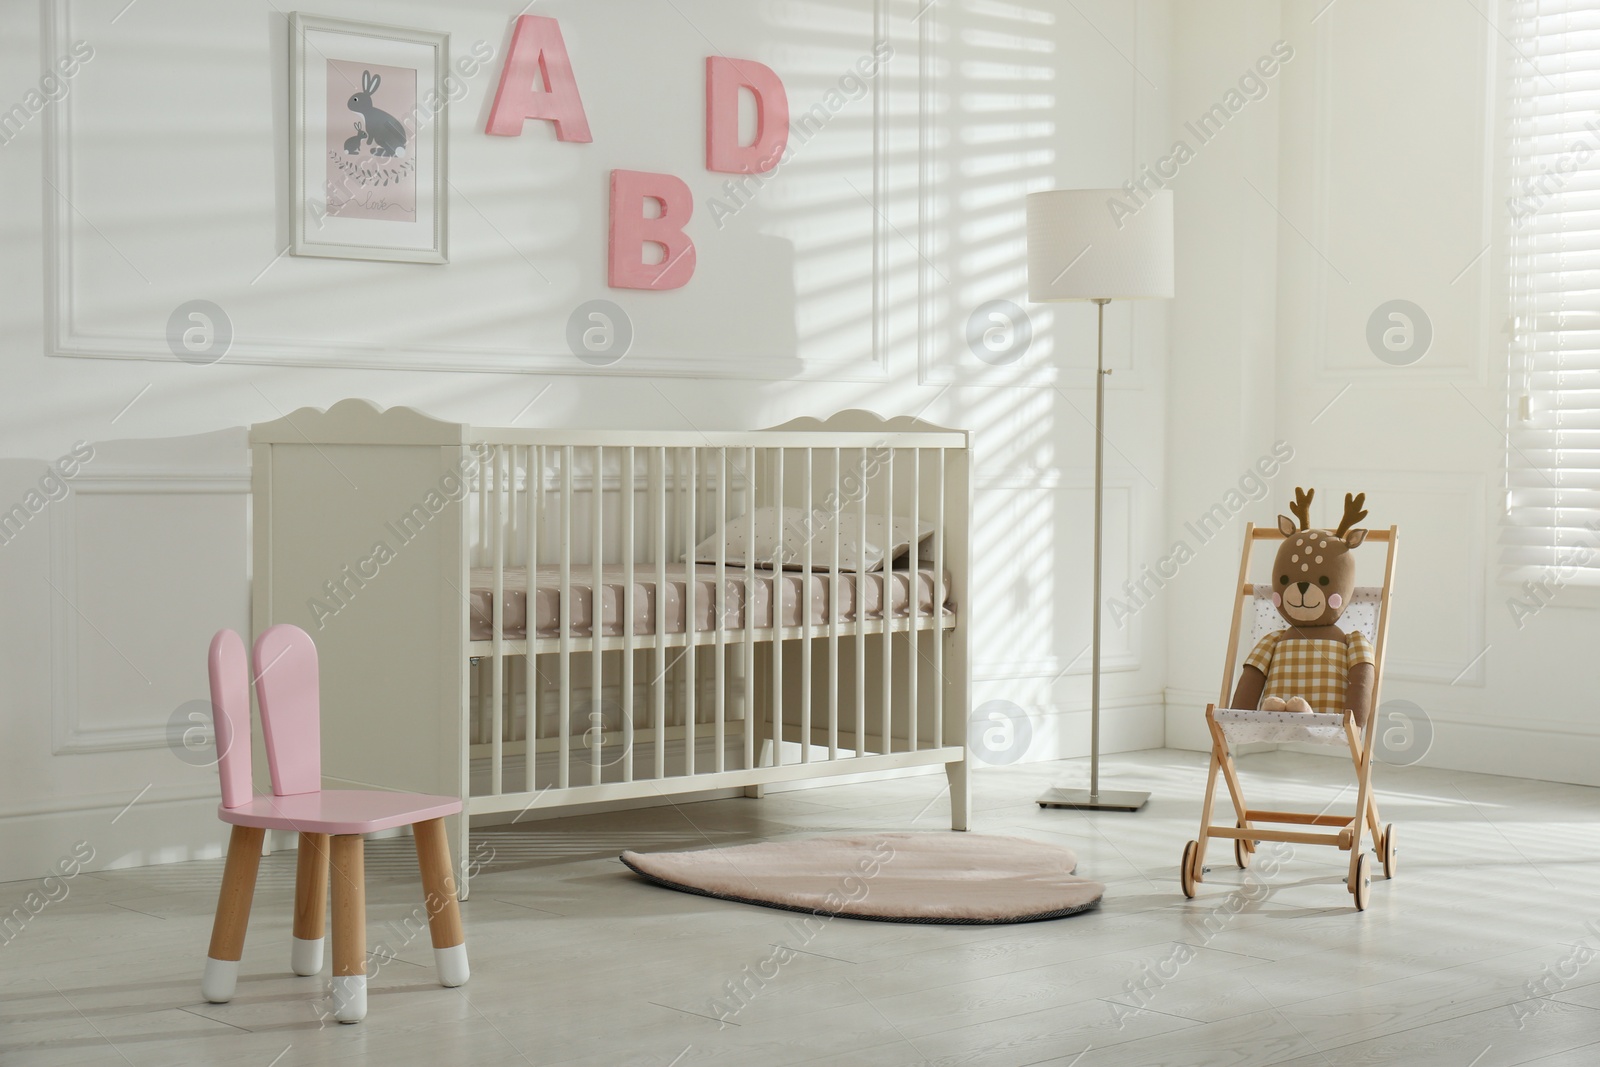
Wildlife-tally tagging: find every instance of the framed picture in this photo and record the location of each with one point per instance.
(367, 140)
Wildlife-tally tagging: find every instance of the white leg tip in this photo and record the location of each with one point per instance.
(452, 964)
(219, 980)
(349, 997)
(306, 956)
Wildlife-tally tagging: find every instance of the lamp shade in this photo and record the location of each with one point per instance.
(1095, 244)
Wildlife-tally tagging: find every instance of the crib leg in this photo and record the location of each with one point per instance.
(463, 823)
(756, 792)
(960, 795)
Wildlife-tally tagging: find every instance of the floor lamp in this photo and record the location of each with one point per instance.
(1089, 244)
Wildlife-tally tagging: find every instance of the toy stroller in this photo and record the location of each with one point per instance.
(1315, 682)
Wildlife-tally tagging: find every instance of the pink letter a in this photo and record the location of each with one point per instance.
(538, 52)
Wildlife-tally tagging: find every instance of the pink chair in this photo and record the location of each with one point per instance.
(286, 687)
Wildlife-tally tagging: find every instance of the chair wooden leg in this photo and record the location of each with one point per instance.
(310, 903)
(349, 929)
(233, 914)
(444, 915)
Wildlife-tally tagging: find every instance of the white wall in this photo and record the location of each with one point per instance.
(1220, 414)
(849, 281)
(1386, 148)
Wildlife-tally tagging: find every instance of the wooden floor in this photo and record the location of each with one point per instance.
(1485, 951)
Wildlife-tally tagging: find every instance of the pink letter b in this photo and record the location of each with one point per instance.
(631, 230)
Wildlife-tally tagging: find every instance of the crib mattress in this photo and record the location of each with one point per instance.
(798, 588)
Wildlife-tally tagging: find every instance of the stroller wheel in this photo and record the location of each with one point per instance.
(1390, 859)
(1186, 873)
(1363, 882)
(1241, 855)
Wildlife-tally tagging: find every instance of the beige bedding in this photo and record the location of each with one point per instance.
(799, 587)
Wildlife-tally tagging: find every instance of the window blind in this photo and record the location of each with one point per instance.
(1553, 438)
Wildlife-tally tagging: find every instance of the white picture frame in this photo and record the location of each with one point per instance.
(368, 140)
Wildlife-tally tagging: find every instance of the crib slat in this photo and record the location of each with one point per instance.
(480, 558)
(913, 593)
(659, 686)
(938, 609)
(886, 603)
(691, 620)
(564, 621)
(497, 548)
(481, 549)
(594, 733)
(833, 616)
(750, 715)
(628, 549)
(535, 501)
(516, 509)
(863, 473)
(719, 609)
(805, 620)
(778, 585)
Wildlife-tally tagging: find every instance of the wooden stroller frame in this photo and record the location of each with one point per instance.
(1344, 831)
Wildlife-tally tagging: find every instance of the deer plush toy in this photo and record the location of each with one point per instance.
(1312, 665)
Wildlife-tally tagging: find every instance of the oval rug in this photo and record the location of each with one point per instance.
(951, 878)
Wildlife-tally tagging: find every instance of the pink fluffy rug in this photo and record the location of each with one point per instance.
(954, 878)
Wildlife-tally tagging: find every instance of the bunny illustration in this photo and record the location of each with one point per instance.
(386, 133)
(352, 145)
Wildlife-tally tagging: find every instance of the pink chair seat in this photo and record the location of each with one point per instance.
(340, 811)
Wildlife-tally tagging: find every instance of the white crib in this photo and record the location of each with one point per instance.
(521, 617)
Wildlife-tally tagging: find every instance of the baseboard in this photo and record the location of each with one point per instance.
(1539, 749)
(1184, 719)
(1512, 749)
(114, 835)
(1127, 724)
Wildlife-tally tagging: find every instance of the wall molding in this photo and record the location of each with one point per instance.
(1127, 724)
(961, 368)
(1473, 489)
(1425, 374)
(1053, 480)
(69, 734)
(64, 338)
(109, 801)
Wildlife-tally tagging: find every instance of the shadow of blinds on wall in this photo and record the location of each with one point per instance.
(1553, 414)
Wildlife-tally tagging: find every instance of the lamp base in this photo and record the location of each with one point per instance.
(1105, 800)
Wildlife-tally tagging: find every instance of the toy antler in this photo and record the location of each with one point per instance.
(1353, 513)
(1301, 508)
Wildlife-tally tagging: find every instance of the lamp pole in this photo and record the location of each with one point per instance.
(1100, 373)
(1081, 248)
(1115, 799)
